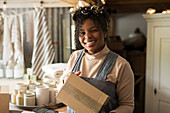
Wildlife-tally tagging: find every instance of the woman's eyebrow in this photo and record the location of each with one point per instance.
(89, 28)
(93, 27)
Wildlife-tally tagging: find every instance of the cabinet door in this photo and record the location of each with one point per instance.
(161, 69)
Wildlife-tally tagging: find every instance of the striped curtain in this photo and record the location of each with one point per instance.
(43, 51)
(53, 16)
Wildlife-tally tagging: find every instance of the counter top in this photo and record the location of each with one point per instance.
(14, 110)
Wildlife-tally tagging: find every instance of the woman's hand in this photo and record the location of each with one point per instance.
(68, 75)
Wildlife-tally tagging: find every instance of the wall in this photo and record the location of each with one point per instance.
(124, 24)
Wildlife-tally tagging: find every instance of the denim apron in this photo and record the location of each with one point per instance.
(100, 80)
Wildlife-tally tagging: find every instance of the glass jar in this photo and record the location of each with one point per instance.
(13, 96)
(20, 98)
(52, 95)
(21, 86)
(29, 99)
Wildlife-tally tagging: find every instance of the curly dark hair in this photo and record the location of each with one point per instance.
(96, 14)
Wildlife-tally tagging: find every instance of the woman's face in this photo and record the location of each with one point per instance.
(91, 37)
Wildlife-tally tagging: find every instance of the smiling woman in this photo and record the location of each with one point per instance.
(99, 66)
(99, 25)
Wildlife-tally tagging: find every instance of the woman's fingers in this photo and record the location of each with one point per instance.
(66, 77)
(77, 73)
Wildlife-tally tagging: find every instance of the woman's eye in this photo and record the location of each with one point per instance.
(94, 30)
(82, 33)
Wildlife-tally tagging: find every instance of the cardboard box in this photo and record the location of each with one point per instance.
(81, 96)
(4, 103)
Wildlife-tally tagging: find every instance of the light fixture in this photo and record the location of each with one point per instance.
(4, 5)
(151, 11)
(166, 11)
(80, 4)
(163, 12)
(103, 2)
(71, 9)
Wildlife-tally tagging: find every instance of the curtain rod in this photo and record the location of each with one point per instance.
(21, 4)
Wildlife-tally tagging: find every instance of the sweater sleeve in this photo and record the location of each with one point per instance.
(125, 90)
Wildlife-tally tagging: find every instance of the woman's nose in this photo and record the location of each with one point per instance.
(88, 35)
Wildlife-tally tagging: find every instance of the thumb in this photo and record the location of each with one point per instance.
(77, 73)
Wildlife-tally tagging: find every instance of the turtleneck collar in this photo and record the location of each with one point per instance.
(100, 54)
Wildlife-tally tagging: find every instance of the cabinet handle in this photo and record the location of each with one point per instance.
(155, 91)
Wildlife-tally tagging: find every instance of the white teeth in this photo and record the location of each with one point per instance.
(90, 42)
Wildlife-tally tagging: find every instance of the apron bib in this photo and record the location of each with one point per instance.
(100, 80)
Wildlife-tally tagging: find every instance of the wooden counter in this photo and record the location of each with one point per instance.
(7, 86)
(61, 109)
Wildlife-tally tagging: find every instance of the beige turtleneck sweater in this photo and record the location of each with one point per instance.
(120, 74)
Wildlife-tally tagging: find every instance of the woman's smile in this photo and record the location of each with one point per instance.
(90, 43)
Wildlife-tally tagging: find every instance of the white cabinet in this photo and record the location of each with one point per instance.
(157, 98)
